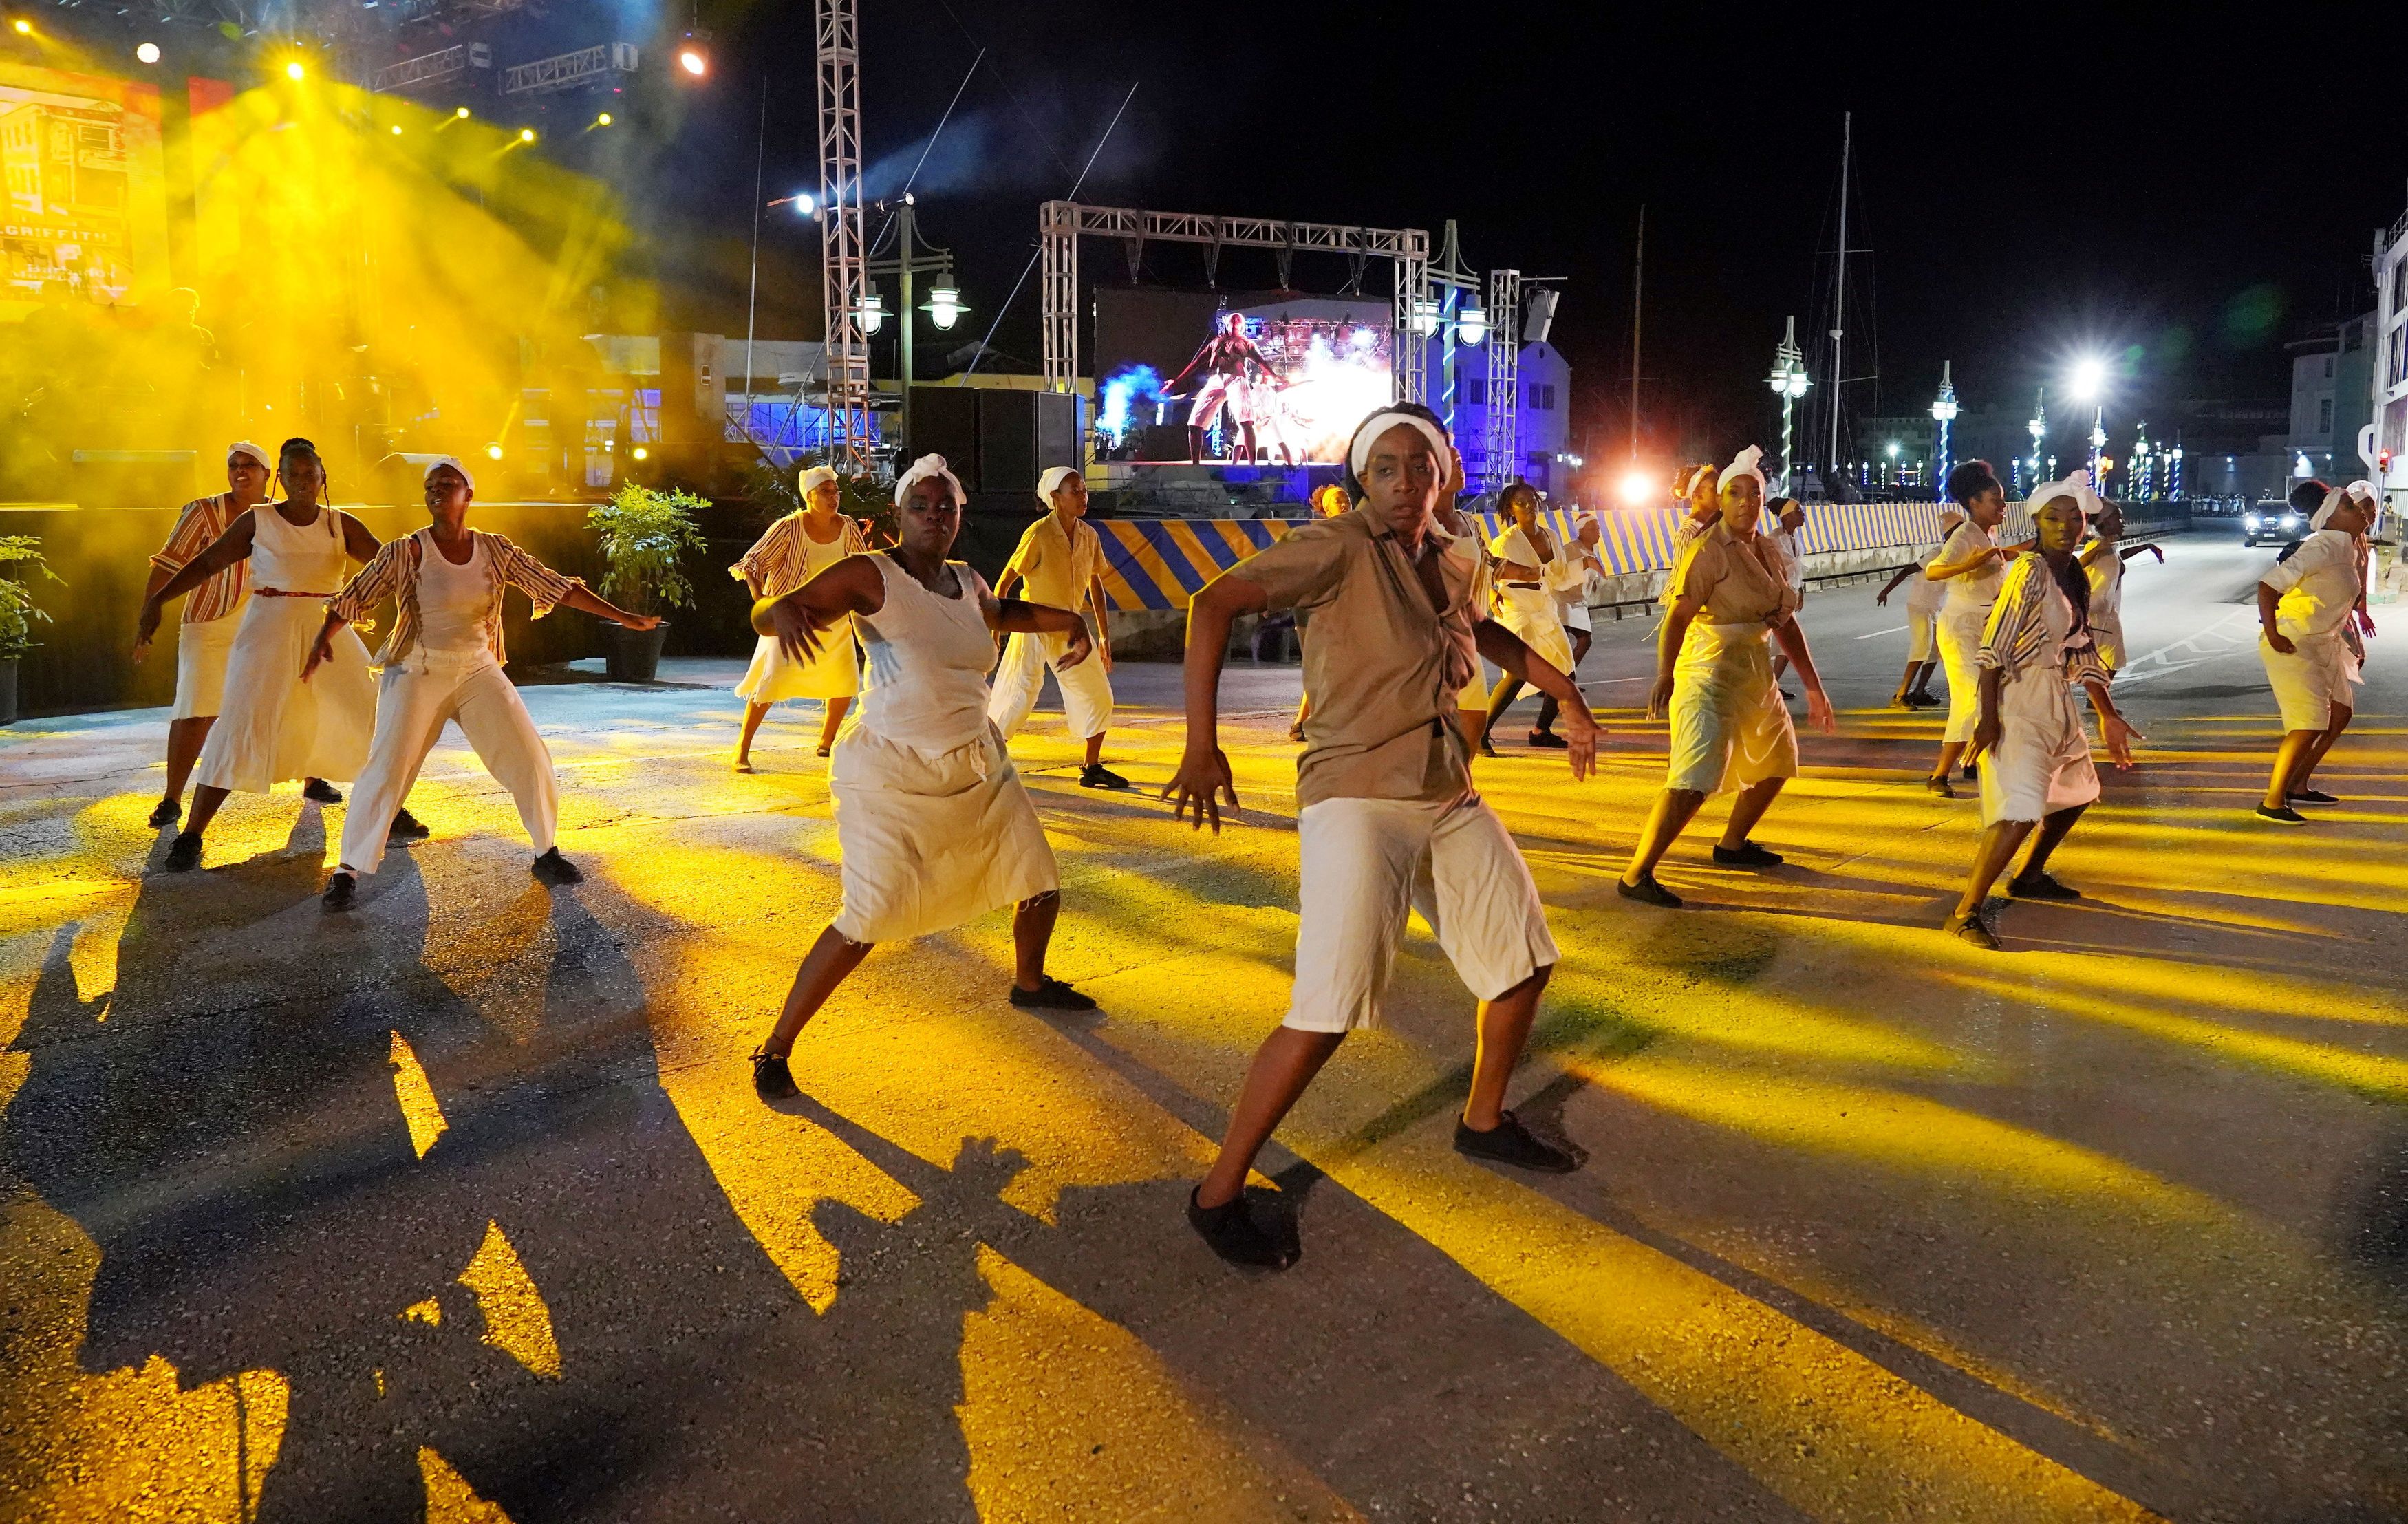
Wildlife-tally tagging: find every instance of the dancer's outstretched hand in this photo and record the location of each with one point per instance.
(1081, 646)
(1201, 782)
(797, 636)
(2119, 736)
(1581, 733)
(640, 621)
(1818, 711)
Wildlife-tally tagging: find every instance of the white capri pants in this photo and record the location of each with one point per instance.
(1087, 688)
(200, 667)
(1368, 861)
(413, 702)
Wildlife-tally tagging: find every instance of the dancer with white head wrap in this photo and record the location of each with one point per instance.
(1971, 565)
(795, 549)
(1525, 556)
(443, 665)
(206, 633)
(2306, 606)
(1061, 560)
(934, 822)
(1713, 674)
(2036, 775)
(1388, 819)
(271, 727)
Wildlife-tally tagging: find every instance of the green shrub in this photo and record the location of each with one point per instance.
(17, 614)
(645, 533)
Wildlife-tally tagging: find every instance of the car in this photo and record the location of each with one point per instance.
(2275, 524)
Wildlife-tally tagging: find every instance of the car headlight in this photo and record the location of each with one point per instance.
(2291, 521)
(2249, 520)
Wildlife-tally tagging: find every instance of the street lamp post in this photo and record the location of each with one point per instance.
(2036, 427)
(944, 308)
(1943, 412)
(2097, 443)
(1788, 382)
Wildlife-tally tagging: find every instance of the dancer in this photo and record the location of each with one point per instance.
(1567, 580)
(1972, 565)
(1729, 729)
(1525, 552)
(1387, 817)
(2035, 758)
(1702, 493)
(271, 727)
(933, 820)
(1786, 517)
(1230, 361)
(444, 663)
(795, 549)
(1061, 560)
(212, 611)
(1923, 598)
(2304, 605)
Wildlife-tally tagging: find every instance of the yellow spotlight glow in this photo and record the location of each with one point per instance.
(526, 135)
(148, 52)
(294, 70)
(492, 452)
(460, 115)
(602, 121)
(396, 129)
(691, 60)
(1636, 488)
(641, 453)
(23, 28)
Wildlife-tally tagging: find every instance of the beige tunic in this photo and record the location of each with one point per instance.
(1729, 729)
(1530, 612)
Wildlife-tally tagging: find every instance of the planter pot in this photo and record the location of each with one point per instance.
(7, 690)
(634, 656)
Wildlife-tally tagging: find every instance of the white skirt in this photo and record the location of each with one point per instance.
(774, 677)
(1921, 634)
(1960, 643)
(1730, 729)
(931, 840)
(2310, 680)
(273, 727)
(2041, 763)
(201, 652)
(1530, 613)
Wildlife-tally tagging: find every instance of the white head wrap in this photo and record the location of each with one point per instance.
(1743, 463)
(1367, 433)
(2362, 491)
(456, 463)
(813, 478)
(2076, 487)
(921, 470)
(244, 447)
(1051, 482)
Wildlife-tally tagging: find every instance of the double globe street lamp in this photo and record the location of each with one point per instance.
(1789, 382)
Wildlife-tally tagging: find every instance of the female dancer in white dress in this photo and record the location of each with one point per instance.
(796, 549)
(2035, 756)
(1972, 565)
(934, 822)
(1526, 554)
(272, 726)
(1567, 583)
(1730, 730)
(1923, 599)
(2306, 605)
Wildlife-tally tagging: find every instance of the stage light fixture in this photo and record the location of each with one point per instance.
(2088, 379)
(640, 453)
(148, 52)
(294, 70)
(526, 135)
(1636, 488)
(492, 452)
(460, 115)
(945, 306)
(806, 205)
(396, 129)
(602, 121)
(22, 27)
(692, 58)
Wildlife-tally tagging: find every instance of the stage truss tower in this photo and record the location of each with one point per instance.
(1061, 224)
(844, 278)
(1504, 377)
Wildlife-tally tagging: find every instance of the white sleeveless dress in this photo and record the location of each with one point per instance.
(931, 816)
(272, 726)
(784, 559)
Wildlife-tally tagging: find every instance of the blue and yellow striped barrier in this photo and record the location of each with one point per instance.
(1157, 563)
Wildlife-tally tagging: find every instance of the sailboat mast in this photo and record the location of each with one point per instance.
(1840, 298)
(1637, 287)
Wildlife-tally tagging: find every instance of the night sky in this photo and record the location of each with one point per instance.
(2130, 181)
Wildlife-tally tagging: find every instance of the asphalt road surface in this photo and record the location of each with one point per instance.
(462, 1206)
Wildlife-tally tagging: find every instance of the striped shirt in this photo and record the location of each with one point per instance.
(394, 574)
(2019, 633)
(197, 528)
(780, 560)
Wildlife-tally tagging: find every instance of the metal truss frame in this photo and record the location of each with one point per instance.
(426, 69)
(1504, 377)
(562, 71)
(844, 278)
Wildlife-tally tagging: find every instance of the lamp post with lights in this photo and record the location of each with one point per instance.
(2036, 427)
(1789, 382)
(944, 307)
(2089, 385)
(1943, 412)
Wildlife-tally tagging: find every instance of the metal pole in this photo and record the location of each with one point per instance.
(903, 260)
(1840, 288)
(752, 296)
(1638, 288)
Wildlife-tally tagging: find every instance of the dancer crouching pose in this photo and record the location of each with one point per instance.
(1061, 561)
(210, 616)
(1387, 817)
(1526, 556)
(2306, 605)
(795, 549)
(444, 663)
(1972, 565)
(934, 824)
(2035, 756)
(272, 726)
(1730, 594)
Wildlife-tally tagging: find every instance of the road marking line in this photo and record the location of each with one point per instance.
(1898, 630)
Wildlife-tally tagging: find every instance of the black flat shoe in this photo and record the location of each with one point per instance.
(771, 1079)
(2283, 815)
(1053, 995)
(167, 812)
(184, 854)
(1746, 854)
(406, 827)
(1648, 892)
(321, 790)
(1973, 772)
(341, 890)
(2041, 885)
(1549, 741)
(1096, 775)
(1509, 1142)
(1230, 1232)
(1939, 786)
(1487, 747)
(1976, 929)
(552, 867)
(2297, 796)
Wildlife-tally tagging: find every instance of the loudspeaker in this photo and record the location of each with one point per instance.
(694, 402)
(1541, 315)
(1023, 433)
(945, 421)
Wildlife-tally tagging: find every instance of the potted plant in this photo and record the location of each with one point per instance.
(17, 614)
(645, 534)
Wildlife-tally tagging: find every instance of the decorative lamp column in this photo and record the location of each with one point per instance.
(2037, 426)
(1789, 382)
(1943, 412)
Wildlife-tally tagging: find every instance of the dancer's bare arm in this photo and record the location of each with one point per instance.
(1508, 651)
(1203, 778)
(1017, 616)
(854, 586)
(1818, 704)
(228, 547)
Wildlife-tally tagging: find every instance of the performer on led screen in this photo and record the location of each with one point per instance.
(1228, 363)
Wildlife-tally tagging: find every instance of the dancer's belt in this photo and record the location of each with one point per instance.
(280, 592)
(1532, 586)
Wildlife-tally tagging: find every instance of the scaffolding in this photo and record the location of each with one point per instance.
(427, 69)
(1061, 224)
(844, 280)
(1504, 377)
(567, 71)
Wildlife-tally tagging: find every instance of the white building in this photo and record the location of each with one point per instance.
(2388, 443)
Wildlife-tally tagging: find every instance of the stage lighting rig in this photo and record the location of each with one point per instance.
(694, 55)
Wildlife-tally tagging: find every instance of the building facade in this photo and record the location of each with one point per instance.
(2387, 378)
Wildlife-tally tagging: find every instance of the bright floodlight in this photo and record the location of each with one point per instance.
(1636, 488)
(23, 28)
(294, 70)
(806, 204)
(873, 312)
(148, 52)
(492, 452)
(526, 135)
(691, 59)
(1893, 450)
(640, 453)
(460, 114)
(602, 121)
(945, 306)
(2088, 379)
(396, 129)
(1470, 324)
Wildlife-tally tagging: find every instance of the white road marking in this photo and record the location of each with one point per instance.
(1900, 630)
(2216, 639)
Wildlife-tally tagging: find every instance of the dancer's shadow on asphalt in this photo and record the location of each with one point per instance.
(252, 1186)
